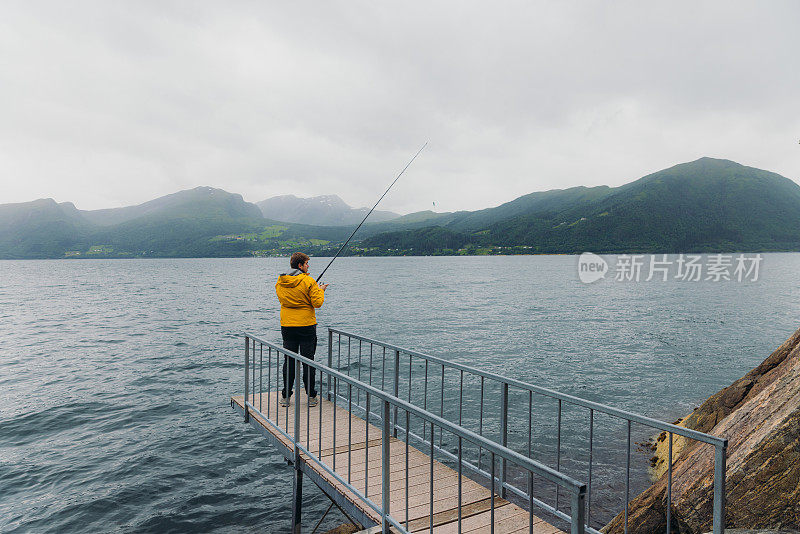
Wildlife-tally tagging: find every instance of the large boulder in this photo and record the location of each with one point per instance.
(759, 414)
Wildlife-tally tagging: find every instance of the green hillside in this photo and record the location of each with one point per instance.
(430, 240)
(542, 203)
(705, 205)
(202, 222)
(39, 229)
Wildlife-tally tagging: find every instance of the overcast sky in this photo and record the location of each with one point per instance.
(108, 104)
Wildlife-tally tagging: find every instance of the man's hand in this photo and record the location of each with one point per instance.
(323, 286)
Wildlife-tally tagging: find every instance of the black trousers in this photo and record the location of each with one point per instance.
(301, 340)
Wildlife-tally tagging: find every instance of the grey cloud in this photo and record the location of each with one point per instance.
(106, 104)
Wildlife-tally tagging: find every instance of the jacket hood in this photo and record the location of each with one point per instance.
(291, 279)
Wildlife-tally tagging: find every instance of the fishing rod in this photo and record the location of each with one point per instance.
(370, 211)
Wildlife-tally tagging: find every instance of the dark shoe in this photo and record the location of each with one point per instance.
(312, 401)
(285, 402)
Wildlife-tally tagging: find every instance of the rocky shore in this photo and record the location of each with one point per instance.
(759, 414)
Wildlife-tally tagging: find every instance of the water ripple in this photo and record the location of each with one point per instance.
(115, 376)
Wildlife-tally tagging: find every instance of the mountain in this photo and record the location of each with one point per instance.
(200, 201)
(180, 224)
(708, 205)
(542, 202)
(327, 210)
(551, 201)
(705, 205)
(39, 229)
(198, 222)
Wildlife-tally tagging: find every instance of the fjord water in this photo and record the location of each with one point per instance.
(115, 376)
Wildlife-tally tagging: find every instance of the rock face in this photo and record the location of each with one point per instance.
(759, 414)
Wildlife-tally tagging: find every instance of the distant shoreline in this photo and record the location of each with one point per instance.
(410, 255)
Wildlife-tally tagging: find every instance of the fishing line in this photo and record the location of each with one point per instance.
(370, 211)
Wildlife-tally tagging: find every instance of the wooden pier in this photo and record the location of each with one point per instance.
(357, 459)
(389, 470)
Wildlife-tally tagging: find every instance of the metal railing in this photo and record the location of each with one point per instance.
(391, 361)
(395, 417)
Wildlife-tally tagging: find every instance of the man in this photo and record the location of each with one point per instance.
(299, 295)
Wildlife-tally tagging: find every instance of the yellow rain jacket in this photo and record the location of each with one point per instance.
(299, 295)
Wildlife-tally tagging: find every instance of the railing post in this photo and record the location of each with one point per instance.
(504, 434)
(297, 487)
(297, 374)
(330, 360)
(578, 512)
(246, 377)
(719, 487)
(385, 467)
(396, 388)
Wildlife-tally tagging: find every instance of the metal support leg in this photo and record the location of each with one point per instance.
(297, 499)
(352, 521)
(321, 519)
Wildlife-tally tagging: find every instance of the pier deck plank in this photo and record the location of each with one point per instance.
(359, 462)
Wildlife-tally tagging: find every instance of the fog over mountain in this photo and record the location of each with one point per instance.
(325, 210)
